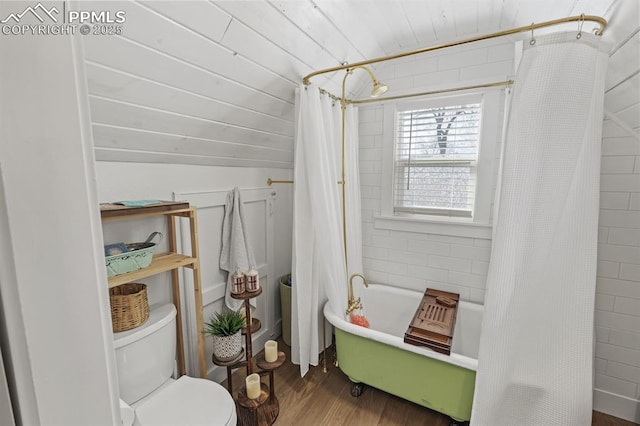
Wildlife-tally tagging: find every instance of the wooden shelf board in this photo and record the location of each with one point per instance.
(247, 294)
(244, 400)
(116, 211)
(161, 262)
(232, 362)
(268, 366)
(252, 413)
(255, 326)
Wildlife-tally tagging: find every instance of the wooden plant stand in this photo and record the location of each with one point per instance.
(264, 410)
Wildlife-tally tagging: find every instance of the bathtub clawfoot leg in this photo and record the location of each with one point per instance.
(356, 389)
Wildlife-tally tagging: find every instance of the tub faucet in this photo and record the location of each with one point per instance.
(354, 303)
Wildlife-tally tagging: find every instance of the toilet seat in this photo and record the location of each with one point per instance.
(188, 401)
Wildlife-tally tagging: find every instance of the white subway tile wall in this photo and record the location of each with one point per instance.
(458, 264)
(415, 260)
(618, 281)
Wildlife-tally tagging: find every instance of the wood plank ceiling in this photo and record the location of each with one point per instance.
(213, 82)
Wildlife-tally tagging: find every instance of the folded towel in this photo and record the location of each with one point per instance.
(236, 253)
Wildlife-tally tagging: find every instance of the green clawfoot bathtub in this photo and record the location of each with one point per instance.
(379, 357)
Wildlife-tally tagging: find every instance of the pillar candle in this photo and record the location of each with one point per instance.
(252, 282)
(253, 386)
(271, 351)
(237, 283)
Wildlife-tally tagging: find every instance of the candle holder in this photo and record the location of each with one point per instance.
(257, 412)
(263, 410)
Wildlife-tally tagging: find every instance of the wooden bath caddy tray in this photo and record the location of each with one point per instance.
(435, 319)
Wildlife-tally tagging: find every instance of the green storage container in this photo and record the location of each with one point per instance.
(285, 308)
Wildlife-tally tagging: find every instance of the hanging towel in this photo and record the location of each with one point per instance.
(236, 254)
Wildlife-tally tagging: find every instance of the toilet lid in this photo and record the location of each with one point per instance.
(188, 401)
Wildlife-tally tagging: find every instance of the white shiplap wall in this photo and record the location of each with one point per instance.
(174, 89)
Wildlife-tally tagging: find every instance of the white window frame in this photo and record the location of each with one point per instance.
(478, 225)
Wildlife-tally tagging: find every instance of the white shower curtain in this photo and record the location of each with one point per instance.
(318, 268)
(535, 360)
(353, 200)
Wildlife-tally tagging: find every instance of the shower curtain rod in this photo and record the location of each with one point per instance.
(432, 92)
(307, 79)
(580, 18)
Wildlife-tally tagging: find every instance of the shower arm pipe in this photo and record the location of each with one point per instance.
(351, 302)
(579, 18)
(342, 182)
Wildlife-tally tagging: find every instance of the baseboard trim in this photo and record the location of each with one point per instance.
(616, 405)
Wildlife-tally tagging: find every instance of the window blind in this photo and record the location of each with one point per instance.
(435, 160)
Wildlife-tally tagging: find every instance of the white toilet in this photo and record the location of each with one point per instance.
(145, 357)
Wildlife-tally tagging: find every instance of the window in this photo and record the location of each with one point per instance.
(436, 152)
(439, 162)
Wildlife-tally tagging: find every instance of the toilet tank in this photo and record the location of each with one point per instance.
(145, 355)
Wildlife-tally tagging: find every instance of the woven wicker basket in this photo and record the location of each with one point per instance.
(129, 306)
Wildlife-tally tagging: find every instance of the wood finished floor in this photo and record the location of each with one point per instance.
(325, 399)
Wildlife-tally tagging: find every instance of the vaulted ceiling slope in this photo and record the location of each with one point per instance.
(213, 82)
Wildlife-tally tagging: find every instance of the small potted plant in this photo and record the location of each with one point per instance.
(226, 327)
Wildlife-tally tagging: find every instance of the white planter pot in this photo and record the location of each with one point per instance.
(226, 348)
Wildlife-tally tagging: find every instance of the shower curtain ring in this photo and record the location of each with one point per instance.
(581, 21)
(533, 40)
